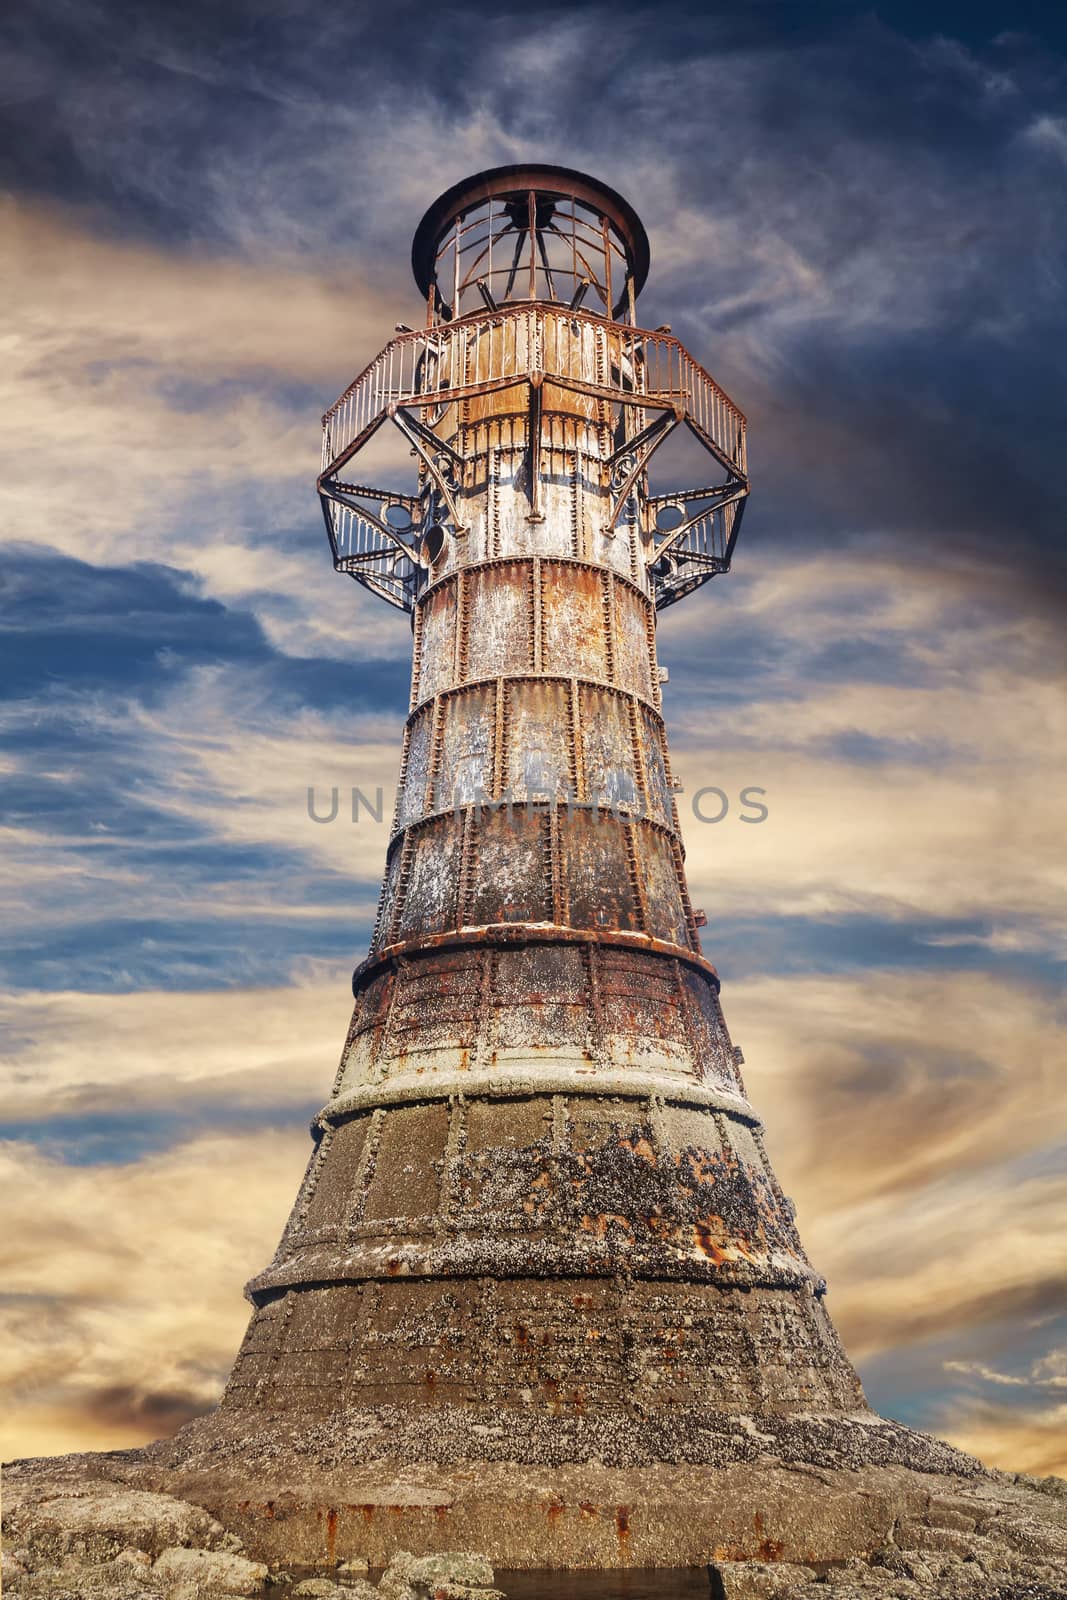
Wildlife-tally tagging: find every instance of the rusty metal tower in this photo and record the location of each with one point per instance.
(539, 1222)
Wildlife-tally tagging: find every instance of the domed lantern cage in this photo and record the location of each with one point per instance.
(530, 233)
(532, 370)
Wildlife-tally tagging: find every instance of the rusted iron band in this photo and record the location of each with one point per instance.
(637, 1085)
(527, 933)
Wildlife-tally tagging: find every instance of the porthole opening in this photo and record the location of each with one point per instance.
(433, 545)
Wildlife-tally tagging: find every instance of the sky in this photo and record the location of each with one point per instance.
(857, 224)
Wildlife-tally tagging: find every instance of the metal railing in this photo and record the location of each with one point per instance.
(420, 377)
(703, 549)
(433, 367)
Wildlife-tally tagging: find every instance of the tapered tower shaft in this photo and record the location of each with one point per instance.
(538, 1189)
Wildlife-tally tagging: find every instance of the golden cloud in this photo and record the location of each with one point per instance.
(138, 380)
(959, 816)
(1030, 1440)
(78, 298)
(888, 1084)
(915, 1118)
(74, 1053)
(908, 1114)
(122, 1308)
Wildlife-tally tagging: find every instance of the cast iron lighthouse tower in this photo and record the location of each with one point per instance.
(539, 1222)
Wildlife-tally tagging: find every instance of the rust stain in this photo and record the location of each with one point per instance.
(704, 1239)
(622, 1523)
(731, 1552)
(641, 1148)
(331, 1535)
(526, 933)
(768, 1550)
(702, 1164)
(599, 1226)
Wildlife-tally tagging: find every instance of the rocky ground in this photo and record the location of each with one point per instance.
(1002, 1539)
(70, 1535)
(120, 1544)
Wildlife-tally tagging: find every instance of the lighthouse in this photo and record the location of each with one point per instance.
(539, 1222)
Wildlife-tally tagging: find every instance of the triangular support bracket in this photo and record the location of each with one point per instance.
(432, 451)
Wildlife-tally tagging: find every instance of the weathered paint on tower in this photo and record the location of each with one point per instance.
(539, 1222)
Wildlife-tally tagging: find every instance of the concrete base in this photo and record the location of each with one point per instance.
(572, 1516)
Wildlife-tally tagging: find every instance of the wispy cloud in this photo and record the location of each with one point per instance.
(910, 739)
(1048, 133)
(1047, 1372)
(1028, 1440)
(121, 1305)
(916, 1120)
(266, 1050)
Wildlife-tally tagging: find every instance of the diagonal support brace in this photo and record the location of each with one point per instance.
(642, 446)
(419, 436)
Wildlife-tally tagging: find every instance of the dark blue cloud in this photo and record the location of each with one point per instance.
(858, 748)
(117, 1138)
(943, 435)
(738, 659)
(237, 74)
(136, 629)
(64, 621)
(172, 951)
(78, 643)
(91, 804)
(751, 947)
(860, 142)
(915, 1385)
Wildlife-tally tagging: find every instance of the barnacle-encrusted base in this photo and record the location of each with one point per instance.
(506, 1235)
